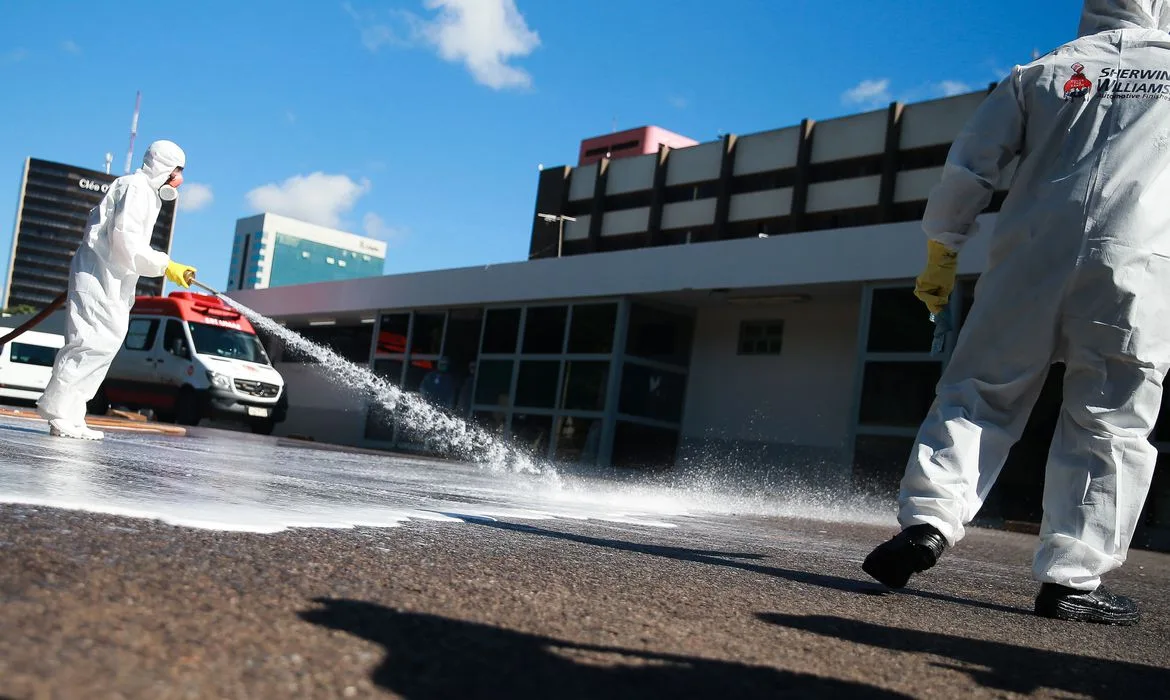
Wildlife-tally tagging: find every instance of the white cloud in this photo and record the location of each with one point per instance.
(70, 46)
(317, 197)
(950, 88)
(483, 35)
(678, 102)
(376, 227)
(869, 93)
(194, 196)
(14, 56)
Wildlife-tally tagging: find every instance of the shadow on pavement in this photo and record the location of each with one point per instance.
(838, 583)
(428, 656)
(1002, 667)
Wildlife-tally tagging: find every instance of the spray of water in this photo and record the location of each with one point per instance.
(446, 433)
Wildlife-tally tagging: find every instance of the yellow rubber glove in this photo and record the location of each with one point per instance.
(180, 274)
(937, 280)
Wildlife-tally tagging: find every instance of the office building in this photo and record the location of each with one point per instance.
(272, 251)
(55, 201)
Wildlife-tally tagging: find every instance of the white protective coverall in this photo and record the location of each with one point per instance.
(1079, 272)
(104, 273)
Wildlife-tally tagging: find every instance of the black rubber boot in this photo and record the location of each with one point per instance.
(1100, 606)
(915, 549)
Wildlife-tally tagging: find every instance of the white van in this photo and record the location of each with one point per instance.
(26, 364)
(189, 356)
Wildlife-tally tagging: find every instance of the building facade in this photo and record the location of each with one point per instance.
(272, 251)
(55, 201)
(799, 354)
(862, 169)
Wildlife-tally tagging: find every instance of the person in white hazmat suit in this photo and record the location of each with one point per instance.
(113, 254)
(1079, 272)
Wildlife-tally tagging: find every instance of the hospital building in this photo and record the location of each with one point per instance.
(743, 303)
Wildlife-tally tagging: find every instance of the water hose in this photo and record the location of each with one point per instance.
(32, 322)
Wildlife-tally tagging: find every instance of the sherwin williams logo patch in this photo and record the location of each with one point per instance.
(1078, 85)
(1135, 82)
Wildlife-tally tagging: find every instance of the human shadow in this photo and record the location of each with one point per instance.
(838, 583)
(429, 656)
(995, 665)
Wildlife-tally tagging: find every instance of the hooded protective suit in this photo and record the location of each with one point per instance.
(104, 273)
(1079, 272)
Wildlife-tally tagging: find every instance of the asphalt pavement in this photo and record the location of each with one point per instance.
(231, 566)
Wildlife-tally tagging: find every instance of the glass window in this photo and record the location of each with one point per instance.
(544, 330)
(461, 345)
(533, 432)
(760, 337)
(141, 334)
(221, 342)
(493, 382)
(659, 335)
(427, 338)
(591, 330)
(578, 439)
(29, 354)
(898, 322)
(651, 393)
(392, 333)
(898, 394)
(536, 387)
(491, 421)
(585, 384)
(390, 370)
(642, 446)
(416, 371)
(175, 340)
(500, 331)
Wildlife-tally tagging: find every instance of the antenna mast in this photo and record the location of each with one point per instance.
(109, 161)
(133, 133)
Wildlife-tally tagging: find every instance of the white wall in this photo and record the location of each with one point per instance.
(938, 121)
(631, 174)
(769, 150)
(615, 223)
(694, 163)
(801, 397)
(850, 137)
(320, 408)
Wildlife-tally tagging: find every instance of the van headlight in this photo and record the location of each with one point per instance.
(221, 381)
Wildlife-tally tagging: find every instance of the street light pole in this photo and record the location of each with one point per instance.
(560, 219)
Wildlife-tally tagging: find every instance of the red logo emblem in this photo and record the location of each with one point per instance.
(1078, 85)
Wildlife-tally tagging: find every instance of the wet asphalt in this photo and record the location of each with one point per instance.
(727, 605)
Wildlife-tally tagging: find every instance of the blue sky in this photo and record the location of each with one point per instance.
(423, 122)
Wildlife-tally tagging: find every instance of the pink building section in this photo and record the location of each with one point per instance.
(632, 142)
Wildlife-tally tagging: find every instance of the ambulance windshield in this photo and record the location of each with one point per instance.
(227, 342)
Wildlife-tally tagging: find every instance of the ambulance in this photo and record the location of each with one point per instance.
(190, 356)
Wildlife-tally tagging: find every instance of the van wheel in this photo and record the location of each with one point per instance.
(99, 405)
(187, 407)
(263, 427)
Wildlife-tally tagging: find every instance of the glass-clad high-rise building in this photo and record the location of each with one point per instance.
(272, 251)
